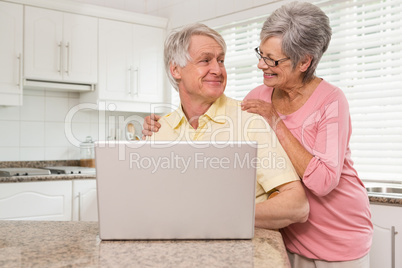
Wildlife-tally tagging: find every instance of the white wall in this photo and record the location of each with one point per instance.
(36, 130)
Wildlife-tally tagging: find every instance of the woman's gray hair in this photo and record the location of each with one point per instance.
(304, 29)
(178, 42)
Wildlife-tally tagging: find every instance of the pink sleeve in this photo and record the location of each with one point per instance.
(255, 93)
(332, 133)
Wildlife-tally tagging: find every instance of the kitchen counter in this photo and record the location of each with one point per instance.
(385, 200)
(384, 193)
(77, 244)
(52, 177)
(41, 164)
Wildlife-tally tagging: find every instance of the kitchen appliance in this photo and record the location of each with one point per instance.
(8, 172)
(57, 86)
(71, 170)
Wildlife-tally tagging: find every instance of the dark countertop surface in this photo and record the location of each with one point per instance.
(77, 244)
(41, 164)
(52, 177)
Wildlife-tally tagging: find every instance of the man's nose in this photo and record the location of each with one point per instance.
(216, 67)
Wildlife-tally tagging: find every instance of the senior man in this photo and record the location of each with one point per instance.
(194, 61)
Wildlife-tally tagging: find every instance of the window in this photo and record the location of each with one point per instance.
(240, 61)
(364, 59)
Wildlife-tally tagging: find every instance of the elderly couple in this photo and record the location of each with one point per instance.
(320, 205)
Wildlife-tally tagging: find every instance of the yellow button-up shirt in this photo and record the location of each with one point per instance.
(225, 121)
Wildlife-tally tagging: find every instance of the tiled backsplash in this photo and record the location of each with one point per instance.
(37, 129)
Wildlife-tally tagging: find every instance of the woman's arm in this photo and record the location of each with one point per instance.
(318, 159)
(298, 155)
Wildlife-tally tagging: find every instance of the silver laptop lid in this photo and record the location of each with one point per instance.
(176, 190)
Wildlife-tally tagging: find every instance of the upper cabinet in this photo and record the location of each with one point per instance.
(131, 71)
(65, 46)
(11, 36)
(60, 46)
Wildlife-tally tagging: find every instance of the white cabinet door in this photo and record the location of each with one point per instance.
(387, 239)
(60, 46)
(148, 61)
(43, 44)
(131, 71)
(50, 200)
(115, 60)
(11, 34)
(80, 48)
(85, 207)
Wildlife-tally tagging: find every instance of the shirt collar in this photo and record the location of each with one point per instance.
(216, 113)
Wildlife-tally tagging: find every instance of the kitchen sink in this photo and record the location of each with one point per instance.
(384, 189)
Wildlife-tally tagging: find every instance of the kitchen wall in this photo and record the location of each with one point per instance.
(37, 129)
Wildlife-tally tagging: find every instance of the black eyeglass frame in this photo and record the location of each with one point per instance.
(272, 63)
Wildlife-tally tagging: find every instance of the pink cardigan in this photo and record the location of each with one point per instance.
(339, 226)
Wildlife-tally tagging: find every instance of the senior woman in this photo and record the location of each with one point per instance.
(312, 122)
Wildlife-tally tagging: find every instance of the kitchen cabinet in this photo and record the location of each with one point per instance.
(60, 46)
(387, 237)
(46, 200)
(85, 207)
(131, 70)
(11, 53)
(49, 200)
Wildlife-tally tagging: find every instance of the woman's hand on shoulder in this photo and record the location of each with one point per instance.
(263, 108)
(150, 125)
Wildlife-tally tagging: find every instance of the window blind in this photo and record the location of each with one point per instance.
(364, 59)
(240, 61)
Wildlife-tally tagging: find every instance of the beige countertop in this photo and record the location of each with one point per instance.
(77, 244)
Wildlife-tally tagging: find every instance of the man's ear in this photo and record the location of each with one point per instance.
(305, 63)
(175, 71)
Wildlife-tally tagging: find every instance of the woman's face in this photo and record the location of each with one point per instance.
(281, 76)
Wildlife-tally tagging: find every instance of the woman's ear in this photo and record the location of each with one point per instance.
(175, 71)
(305, 63)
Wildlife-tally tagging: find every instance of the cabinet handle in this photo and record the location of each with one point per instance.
(19, 69)
(60, 45)
(68, 58)
(136, 81)
(130, 74)
(393, 233)
(79, 205)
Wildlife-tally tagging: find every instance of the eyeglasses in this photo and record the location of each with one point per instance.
(268, 61)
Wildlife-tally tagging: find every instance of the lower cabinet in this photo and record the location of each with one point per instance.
(387, 237)
(45, 200)
(49, 200)
(85, 207)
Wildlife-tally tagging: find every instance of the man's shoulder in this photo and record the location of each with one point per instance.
(234, 108)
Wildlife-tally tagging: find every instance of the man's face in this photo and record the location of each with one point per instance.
(204, 77)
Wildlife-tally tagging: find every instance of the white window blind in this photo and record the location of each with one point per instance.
(364, 59)
(240, 61)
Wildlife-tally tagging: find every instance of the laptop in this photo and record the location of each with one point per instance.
(175, 190)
